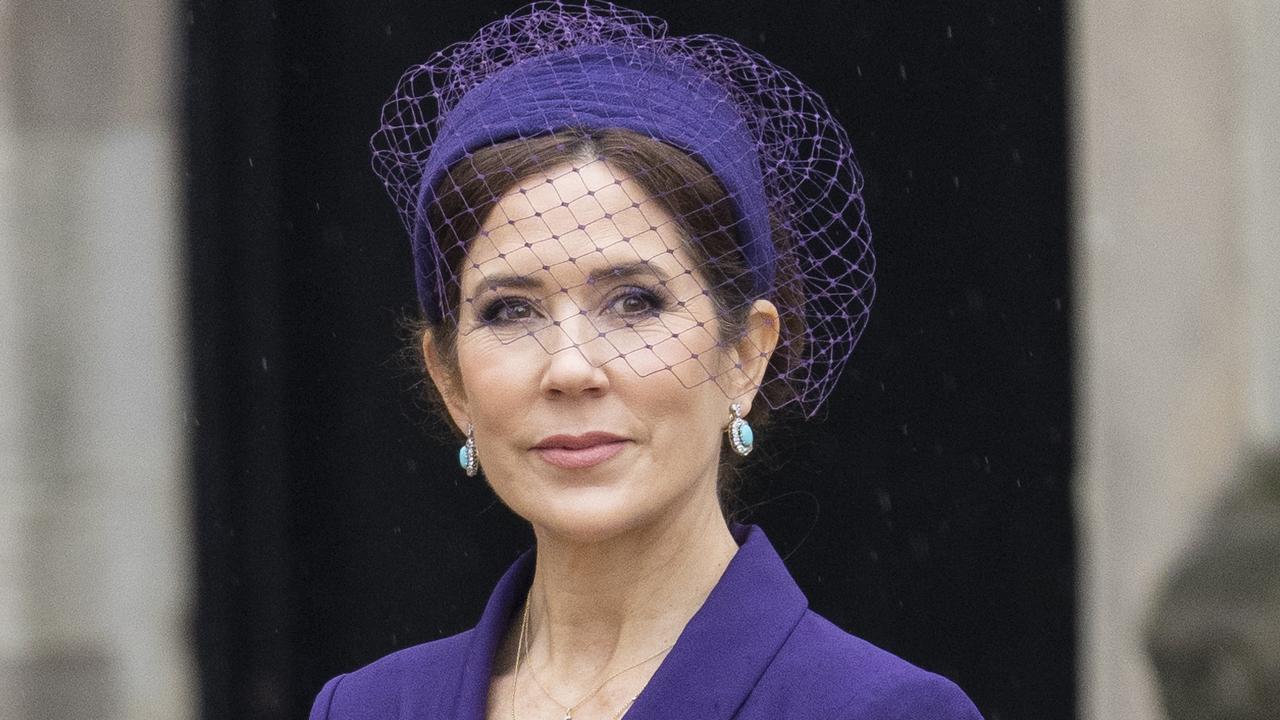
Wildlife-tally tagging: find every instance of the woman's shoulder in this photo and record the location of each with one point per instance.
(403, 680)
(850, 678)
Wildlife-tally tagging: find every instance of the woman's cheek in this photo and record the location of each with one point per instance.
(495, 365)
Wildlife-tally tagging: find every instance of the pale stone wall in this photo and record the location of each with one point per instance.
(95, 533)
(1177, 265)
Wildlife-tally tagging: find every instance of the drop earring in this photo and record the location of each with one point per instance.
(467, 457)
(740, 435)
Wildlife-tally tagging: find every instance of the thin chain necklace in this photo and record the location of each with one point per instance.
(568, 711)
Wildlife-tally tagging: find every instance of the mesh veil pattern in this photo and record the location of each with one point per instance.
(787, 194)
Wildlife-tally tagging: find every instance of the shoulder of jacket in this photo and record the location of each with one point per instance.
(865, 681)
(404, 678)
(912, 696)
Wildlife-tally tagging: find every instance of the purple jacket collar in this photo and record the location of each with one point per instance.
(717, 659)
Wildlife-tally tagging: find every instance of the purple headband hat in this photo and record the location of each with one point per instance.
(784, 162)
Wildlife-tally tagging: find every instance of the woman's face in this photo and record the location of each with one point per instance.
(582, 312)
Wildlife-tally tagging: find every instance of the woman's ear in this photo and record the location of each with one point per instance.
(443, 377)
(752, 352)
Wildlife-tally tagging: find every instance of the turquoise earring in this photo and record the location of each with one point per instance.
(740, 435)
(467, 457)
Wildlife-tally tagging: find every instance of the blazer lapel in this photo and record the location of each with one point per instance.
(477, 670)
(718, 658)
(730, 641)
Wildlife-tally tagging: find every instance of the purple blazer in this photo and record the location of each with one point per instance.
(753, 651)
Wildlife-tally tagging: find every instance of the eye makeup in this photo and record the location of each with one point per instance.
(516, 309)
(511, 309)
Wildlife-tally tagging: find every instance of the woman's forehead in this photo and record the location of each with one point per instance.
(573, 220)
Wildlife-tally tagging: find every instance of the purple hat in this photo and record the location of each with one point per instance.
(785, 166)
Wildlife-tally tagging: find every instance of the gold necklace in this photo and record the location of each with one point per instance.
(568, 711)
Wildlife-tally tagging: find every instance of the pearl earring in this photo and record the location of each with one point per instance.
(467, 457)
(740, 435)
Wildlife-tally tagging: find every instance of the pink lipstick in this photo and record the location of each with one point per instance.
(579, 451)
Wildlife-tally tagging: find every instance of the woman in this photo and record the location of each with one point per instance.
(628, 246)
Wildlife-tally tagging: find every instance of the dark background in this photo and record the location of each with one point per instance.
(927, 510)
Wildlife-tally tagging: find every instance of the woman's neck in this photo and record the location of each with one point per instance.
(600, 607)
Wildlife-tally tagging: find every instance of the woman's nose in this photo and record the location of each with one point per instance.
(578, 351)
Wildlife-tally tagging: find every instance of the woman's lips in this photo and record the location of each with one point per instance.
(581, 458)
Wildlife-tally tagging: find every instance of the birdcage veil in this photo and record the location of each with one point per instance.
(590, 94)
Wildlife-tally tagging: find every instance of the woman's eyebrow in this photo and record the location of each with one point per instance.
(611, 272)
(500, 280)
(628, 270)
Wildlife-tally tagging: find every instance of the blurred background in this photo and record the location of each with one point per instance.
(1048, 472)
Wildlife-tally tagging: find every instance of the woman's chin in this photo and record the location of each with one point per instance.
(586, 515)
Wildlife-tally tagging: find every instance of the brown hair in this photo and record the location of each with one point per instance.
(688, 191)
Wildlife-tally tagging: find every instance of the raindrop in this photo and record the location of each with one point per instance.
(919, 546)
(884, 501)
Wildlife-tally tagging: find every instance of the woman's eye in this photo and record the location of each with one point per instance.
(638, 302)
(506, 310)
